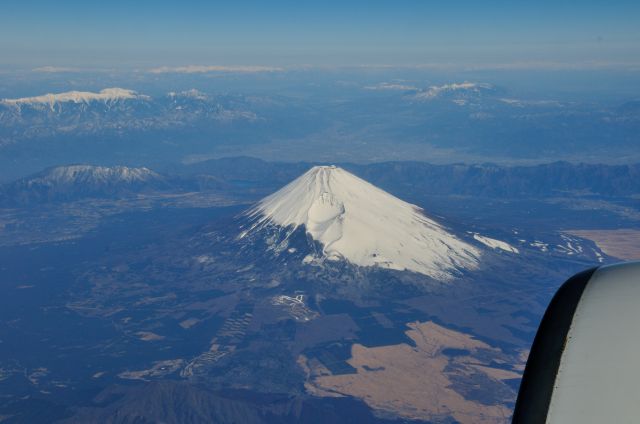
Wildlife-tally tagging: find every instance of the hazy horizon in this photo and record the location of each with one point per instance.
(464, 34)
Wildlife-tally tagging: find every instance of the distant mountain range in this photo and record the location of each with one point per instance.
(115, 109)
(464, 120)
(555, 178)
(409, 179)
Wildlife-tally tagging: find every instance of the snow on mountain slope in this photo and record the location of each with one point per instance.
(358, 222)
(495, 244)
(106, 95)
(192, 94)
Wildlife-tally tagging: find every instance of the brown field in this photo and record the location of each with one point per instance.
(415, 382)
(622, 244)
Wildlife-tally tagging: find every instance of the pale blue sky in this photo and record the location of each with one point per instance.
(284, 33)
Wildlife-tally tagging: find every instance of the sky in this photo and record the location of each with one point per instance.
(142, 33)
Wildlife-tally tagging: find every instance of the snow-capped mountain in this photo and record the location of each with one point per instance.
(78, 181)
(355, 221)
(106, 96)
(457, 92)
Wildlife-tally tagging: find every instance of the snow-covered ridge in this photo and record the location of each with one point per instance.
(97, 174)
(435, 91)
(106, 95)
(526, 103)
(358, 222)
(391, 86)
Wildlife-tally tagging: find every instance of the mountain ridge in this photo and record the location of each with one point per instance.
(105, 95)
(410, 180)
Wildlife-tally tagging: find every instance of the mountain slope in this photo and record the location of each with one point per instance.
(362, 224)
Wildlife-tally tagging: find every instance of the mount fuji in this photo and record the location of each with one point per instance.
(355, 221)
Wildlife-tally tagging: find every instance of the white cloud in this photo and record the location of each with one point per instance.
(201, 69)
